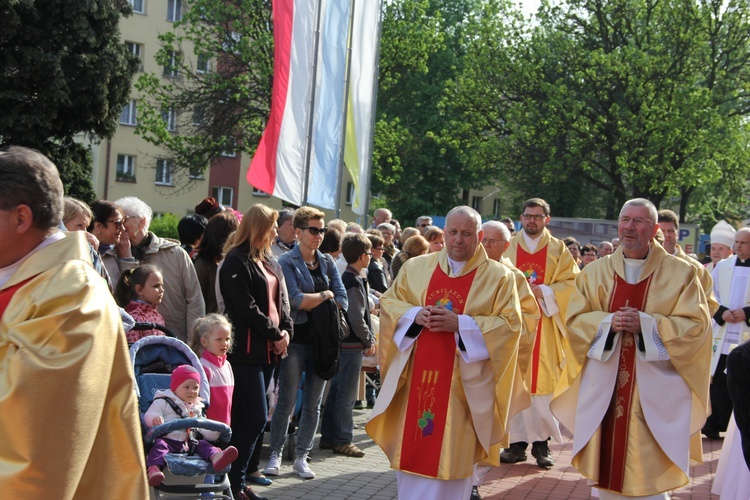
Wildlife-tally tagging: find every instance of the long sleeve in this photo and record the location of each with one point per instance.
(355, 314)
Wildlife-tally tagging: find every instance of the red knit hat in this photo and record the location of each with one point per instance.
(183, 373)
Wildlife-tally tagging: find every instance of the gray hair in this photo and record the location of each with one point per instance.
(387, 226)
(285, 214)
(380, 210)
(653, 214)
(494, 224)
(466, 210)
(31, 179)
(132, 206)
(423, 218)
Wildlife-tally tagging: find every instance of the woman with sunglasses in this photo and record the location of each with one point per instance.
(107, 225)
(312, 280)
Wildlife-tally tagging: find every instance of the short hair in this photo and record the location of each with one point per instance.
(331, 241)
(102, 211)
(668, 216)
(378, 210)
(218, 230)
(191, 227)
(588, 247)
(500, 227)
(422, 218)
(387, 226)
(571, 241)
(467, 210)
(603, 243)
(353, 227)
(642, 202)
(353, 246)
(407, 233)
(304, 214)
(72, 208)
(285, 214)
(255, 232)
(337, 224)
(536, 202)
(433, 233)
(507, 220)
(132, 206)
(30, 178)
(376, 240)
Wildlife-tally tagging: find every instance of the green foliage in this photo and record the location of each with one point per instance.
(621, 98)
(165, 226)
(220, 110)
(65, 72)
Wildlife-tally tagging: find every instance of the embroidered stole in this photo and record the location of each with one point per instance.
(434, 355)
(533, 266)
(616, 422)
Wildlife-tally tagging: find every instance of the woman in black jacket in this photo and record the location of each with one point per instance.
(256, 302)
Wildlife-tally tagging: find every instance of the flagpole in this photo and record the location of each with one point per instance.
(345, 111)
(308, 138)
(368, 177)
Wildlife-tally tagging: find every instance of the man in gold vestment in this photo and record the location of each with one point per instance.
(639, 324)
(550, 270)
(451, 323)
(68, 411)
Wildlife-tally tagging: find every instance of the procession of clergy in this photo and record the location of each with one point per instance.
(504, 339)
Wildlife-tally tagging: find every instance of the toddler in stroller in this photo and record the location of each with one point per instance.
(182, 401)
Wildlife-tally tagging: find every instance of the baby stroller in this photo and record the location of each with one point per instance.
(186, 476)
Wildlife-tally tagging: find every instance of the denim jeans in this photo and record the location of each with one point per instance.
(299, 360)
(338, 423)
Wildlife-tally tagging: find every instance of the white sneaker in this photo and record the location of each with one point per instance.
(274, 464)
(301, 468)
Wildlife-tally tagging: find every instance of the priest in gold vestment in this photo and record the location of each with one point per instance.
(639, 324)
(68, 409)
(452, 324)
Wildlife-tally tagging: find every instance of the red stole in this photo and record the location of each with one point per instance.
(7, 294)
(434, 355)
(533, 266)
(616, 422)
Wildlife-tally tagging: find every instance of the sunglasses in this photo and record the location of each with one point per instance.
(118, 222)
(424, 225)
(314, 230)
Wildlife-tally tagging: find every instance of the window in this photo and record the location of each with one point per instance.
(136, 49)
(496, 208)
(164, 168)
(258, 192)
(137, 5)
(170, 119)
(197, 173)
(128, 116)
(349, 193)
(125, 168)
(223, 195)
(230, 152)
(172, 70)
(174, 10)
(476, 203)
(199, 116)
(204, 64)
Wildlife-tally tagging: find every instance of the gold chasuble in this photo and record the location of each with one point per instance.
(550, 264)
(68, 409)
(438, 415)
(640, 400)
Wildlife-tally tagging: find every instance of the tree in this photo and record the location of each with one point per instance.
(220, 56)
(628, 97)
(65, 74)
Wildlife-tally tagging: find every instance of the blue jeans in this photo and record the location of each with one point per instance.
(299, 360)
(338, 423)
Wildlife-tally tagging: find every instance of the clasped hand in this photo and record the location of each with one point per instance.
(437, 319)
(279, 346)
(734, 315)
(627, 319)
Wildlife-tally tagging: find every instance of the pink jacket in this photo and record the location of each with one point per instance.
(221, 382)
(145, 313)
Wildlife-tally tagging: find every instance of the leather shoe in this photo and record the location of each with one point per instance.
(247, 493)
(516, 453)
(475, 493)
(541, 452)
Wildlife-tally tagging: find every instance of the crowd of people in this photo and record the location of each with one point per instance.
(488, 339)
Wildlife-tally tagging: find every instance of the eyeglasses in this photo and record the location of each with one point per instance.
(638, 221)
(536, 217)
(118, 222)
(314, 230)
(368, 253)
(488, 242)
(379, 248)
(424, 224)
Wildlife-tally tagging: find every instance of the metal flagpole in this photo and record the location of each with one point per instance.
(368, 177)
(345, 112)
(308, 138)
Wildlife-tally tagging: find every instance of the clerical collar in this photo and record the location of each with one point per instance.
(456, 266)
(742, 263)
(532, 243)
(287, 246)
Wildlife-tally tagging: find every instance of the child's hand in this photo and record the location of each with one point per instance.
(156, 421)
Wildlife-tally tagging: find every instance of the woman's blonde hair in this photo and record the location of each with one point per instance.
(73, 207)
(255, 230)
(206, 325)
(416, 245)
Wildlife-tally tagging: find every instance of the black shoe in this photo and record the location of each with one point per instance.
(247, 493)
(541, 452)
(475, 493)
(516, 453)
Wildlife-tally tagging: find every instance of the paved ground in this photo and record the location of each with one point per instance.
(340, 477)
